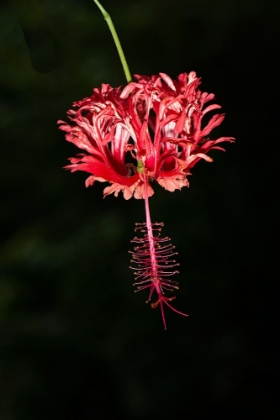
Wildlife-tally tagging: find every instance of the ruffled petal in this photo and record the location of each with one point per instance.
(152, 127)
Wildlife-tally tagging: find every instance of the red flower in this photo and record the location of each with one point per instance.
(150, 130)
(153, 126)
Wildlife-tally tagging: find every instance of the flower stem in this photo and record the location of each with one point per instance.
(109, 21)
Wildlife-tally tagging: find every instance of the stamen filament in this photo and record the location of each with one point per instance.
(152, 261)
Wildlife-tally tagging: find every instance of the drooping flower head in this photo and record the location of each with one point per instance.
(150, 130)
(152, 127)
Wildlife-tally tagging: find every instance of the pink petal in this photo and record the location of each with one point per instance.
(214, 122)
(168, 81)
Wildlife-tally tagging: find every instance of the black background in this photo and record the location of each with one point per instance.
(76, 342)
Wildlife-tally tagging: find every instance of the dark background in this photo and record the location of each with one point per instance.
(75, 341)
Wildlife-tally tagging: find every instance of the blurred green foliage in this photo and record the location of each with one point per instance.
(75, 341)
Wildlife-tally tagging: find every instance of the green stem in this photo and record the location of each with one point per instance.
(116, 40)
